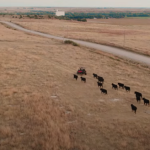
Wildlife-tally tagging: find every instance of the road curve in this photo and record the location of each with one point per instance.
(116, 51)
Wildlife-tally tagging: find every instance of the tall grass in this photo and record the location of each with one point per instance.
(35, 123)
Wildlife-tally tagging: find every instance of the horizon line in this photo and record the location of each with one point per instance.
(67, 7)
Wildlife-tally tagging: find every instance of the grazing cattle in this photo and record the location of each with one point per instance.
(100, 79)
(103, 91)
(83, 79)
(134, 108)
(100, 84)
(121, 85)
(94, 75)
(138, 98)
(75, 76)
(146, 101)
(127, 88)
(138, 94)
(114, 86)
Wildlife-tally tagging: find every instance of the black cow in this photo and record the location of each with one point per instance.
(100, 79)
(121, 85)
(103, 91)
(75, 76)
(138, 98)
(138, 94)
(83, 79)
(127, 88)
(94, 75)
(100, 84)
(146, 101)
(114, 86)
(134, 108)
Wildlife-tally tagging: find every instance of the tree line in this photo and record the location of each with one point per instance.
(81, 16)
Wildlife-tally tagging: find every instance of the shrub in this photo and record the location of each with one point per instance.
(28, 16)
(83, 20)
(49, 16)
(71, 42)
(35, 16)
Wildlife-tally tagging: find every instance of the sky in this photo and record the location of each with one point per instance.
(75, 3)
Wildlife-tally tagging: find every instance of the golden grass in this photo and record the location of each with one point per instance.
(43, 107)
(136, 32)
(30, 117)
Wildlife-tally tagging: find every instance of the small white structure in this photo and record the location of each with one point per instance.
(60, 13)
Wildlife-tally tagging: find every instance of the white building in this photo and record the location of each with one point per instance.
(60, 13)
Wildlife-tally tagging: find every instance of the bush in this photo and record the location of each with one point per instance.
(83, 20)
(71, 42)
(20, 17)
(35, 16)
(49, 16)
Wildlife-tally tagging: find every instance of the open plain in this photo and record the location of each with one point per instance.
(130, 34)
(43, 107)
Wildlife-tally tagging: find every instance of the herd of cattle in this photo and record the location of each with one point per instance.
(114, 86)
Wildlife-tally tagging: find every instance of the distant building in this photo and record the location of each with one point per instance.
(60, 13)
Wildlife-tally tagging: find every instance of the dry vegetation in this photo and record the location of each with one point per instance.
(136, 32)
(43, 107)
(30, 118)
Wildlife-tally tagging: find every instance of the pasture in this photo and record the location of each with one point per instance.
(130, 34)
(43, 107)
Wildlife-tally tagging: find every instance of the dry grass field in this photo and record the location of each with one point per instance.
(43, 108)
(136, 32)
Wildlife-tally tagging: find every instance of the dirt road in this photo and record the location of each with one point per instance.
(116, 51)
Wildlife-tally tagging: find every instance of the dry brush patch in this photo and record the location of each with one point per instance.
(33, 123)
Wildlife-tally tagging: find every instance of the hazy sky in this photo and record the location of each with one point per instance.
(77, 3)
